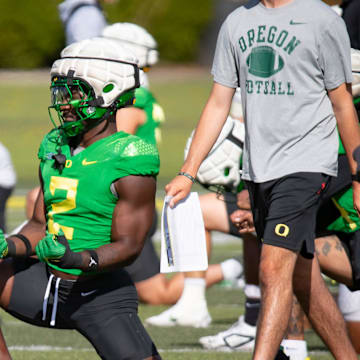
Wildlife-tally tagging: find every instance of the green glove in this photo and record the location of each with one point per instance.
(4, 249)
(56, 249)
(48, 248)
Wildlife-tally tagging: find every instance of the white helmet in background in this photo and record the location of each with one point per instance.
(355, 64)
(141, 43)
(221, 167)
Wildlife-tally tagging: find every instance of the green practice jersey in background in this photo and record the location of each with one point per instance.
(150, 130)
(78, 199)
(348, 221)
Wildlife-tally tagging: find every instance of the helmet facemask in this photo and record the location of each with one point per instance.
(76, 99)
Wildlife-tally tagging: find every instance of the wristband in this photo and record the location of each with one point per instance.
(94, 261)
(191, 178)
(26, 242)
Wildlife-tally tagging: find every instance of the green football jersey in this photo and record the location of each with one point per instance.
(79, 199)
(150, 130)
(348, 221)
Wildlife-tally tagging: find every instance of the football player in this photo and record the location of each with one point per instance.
(144, 119)
(93, 212)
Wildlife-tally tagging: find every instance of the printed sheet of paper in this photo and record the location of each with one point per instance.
(183, 242)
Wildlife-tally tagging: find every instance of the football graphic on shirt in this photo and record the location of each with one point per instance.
(264, 61)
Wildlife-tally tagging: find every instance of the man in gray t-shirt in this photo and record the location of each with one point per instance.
(291, 59)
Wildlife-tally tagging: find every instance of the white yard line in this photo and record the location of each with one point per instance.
(46, 348)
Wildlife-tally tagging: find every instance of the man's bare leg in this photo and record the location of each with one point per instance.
(333, 259)
(276, 272)
(294, 344)
(321, 308)
(295, 330)
(4, 352)
(160, 290)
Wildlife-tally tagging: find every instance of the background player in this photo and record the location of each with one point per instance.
(221, 168)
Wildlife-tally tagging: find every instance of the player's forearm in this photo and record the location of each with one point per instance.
(209, 127)
(347, 121)
(348, 126)
(118, 254)
(24, 242)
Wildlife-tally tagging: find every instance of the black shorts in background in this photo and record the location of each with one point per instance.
(231, 206)
(285, 210)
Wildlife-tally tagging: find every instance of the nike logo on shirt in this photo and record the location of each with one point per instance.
(292, 22)
(85, 162)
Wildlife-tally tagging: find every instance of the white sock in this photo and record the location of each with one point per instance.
(193, 292)
(252, 291)
(231, 269)
(296, 349)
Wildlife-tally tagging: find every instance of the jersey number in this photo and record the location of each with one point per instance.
(70, 185)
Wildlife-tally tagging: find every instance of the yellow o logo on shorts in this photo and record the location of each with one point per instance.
(68, 163)
(282, 230)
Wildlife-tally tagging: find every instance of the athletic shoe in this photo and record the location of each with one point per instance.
(239, 337)
(178, 314)
(237, 283)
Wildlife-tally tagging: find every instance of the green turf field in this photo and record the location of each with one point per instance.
(23, 122)
(24, 118)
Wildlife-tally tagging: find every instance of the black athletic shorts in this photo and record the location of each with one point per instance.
(284, 210)
(231, 206)
(147, 264)
(103, 308)
(4, 195)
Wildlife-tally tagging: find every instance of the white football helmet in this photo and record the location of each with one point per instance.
(137, 39)
(106, 66)
(222, 164)
(355, 64)
(104, 73)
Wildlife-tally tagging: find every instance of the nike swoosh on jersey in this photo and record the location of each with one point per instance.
(292, 22)
(88, 293)
(85, 162)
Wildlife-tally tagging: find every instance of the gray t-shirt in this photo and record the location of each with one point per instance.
(285, 59)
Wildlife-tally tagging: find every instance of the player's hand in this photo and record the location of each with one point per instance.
(179, 188)
(3, 245)
(49, 248)
(55, 249)
(243, 220)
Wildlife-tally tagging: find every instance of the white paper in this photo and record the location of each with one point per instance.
(183, 242)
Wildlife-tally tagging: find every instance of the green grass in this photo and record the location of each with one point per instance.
(24, 120)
